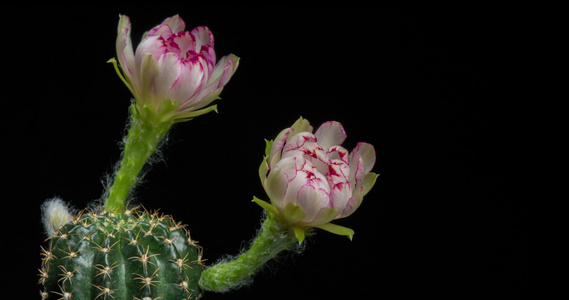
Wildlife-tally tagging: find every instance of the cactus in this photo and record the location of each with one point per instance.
(116, 252)
(126, 255)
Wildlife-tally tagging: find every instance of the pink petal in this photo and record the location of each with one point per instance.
(340, 194)
(169, 74)
(324, 215)
(183, 44)
(367, 153)
(125, 53)
(202, 37)
(154, 45)
(356, 170)
(189, 83)
(277, 146)
(214, 85)
(298, 141)
(163, 31)
(330, 134)
(317, 156)
(338, 152)
(209, 54)
(338, 171)
(353, 203)
(312, 200)
(290, 167)
(294, 187)
(223, 71)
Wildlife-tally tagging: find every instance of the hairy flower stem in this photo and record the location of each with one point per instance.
(272, 239)
(142, 140)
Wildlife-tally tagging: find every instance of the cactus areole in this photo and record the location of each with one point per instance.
(126, 255)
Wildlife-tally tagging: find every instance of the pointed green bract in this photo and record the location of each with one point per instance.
(268, 146)
(267, 206)
(301, 125)
(123, 78)
(369, 182)
(293, 213)
(299, 233)
(186, 116)
(337, 229)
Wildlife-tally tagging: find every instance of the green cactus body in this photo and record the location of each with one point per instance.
(121, 256)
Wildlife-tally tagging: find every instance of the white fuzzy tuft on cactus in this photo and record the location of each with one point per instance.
(55, 213)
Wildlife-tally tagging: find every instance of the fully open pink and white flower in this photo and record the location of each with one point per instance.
(312, 179)
(173, 72)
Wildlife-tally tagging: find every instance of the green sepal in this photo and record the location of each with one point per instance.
(293, 213)
(337, 229)
(167, 106)
(369, 182)
(268, 146)
(301, 125)
(263, 169)
(145, 34)
(123, 78)
(267, 206)
(300, 234)
(186, 116)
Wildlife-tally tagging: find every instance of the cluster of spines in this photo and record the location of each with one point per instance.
(127, 255)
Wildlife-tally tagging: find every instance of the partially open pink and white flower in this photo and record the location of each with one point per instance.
(313, 180)
(173, 74)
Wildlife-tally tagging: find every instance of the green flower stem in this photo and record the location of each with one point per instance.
(142, 141)
(272, 239)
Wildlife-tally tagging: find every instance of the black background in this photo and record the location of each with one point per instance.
(451, 215)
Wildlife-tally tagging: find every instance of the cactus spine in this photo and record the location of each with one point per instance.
(121, 255)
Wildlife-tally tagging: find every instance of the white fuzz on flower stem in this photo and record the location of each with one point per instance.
(55, 213)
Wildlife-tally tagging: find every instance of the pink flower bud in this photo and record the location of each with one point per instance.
(173, 72)
(312, 179)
